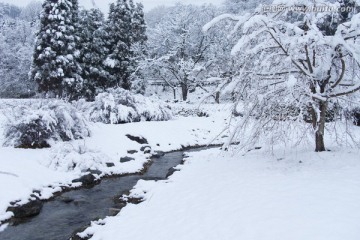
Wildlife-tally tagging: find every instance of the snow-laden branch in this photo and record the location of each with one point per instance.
(216, 20)
(346, 91)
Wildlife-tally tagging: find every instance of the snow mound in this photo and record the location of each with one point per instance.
(39, 124)
(117, 106)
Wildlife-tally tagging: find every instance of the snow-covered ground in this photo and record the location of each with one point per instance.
(24, 171)
(305, 195)
(290, 193)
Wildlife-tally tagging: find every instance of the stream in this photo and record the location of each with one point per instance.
(72, 211)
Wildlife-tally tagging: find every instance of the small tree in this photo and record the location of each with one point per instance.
(55, 67)
(294, 65)
(179, 49)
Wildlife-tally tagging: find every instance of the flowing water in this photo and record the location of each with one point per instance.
(59, 218)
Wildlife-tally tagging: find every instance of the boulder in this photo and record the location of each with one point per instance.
(109, 164)
(140, 140)
(126, 159)
(144, 147)
(132, 151)
(30, 209)
(97, 172)
(86, 180)
(158, 154)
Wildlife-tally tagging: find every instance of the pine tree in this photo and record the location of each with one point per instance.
(126, 27)
(119, 28)
(93, 51)
(55, 66)
(138, 46)
(138, 24)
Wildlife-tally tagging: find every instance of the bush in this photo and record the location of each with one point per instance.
(192, 113)
(116, 106)
(353, 115)
(75, 157)
(35, 126)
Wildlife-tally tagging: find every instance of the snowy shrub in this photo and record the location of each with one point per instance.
(69, 157)
(192, 113)
(35, 126)
(189, 110)
(116, 106)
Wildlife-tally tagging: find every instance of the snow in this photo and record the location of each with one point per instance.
(217, 19)
(303, 195)
(22, 171)
(284, 194)
(21, 174)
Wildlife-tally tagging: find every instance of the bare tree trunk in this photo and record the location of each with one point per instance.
(184, 90)
(174, 89)
(60, 91)
(217, 97)
(319, 126)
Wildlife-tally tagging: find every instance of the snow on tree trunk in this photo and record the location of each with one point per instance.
(319, 127)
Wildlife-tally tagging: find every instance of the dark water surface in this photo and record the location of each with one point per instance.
(59, 220)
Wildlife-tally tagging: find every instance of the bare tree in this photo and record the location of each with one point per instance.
(178, 48)
(294, 66)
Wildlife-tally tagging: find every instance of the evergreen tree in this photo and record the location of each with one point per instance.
(55, 66)
(138, 24)
(126, 27)
(93, 51)
(138, 47)
(119, 28)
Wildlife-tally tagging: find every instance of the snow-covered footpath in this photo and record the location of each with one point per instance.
(24, 171)
(259, 196)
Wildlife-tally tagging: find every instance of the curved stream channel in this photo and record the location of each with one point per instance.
(58, 220)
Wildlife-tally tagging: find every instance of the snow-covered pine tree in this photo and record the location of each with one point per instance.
(127, 37)
(93, 52)
(120, 37)
(138, 46)
(55, 66)
(138, 24)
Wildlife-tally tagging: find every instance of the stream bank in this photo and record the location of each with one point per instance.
(71, 211)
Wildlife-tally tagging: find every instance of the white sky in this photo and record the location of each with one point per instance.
(103, 4)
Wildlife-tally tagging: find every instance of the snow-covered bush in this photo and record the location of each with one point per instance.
(192, 113)
(75, 157)
(116, 106)
(35, 126)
